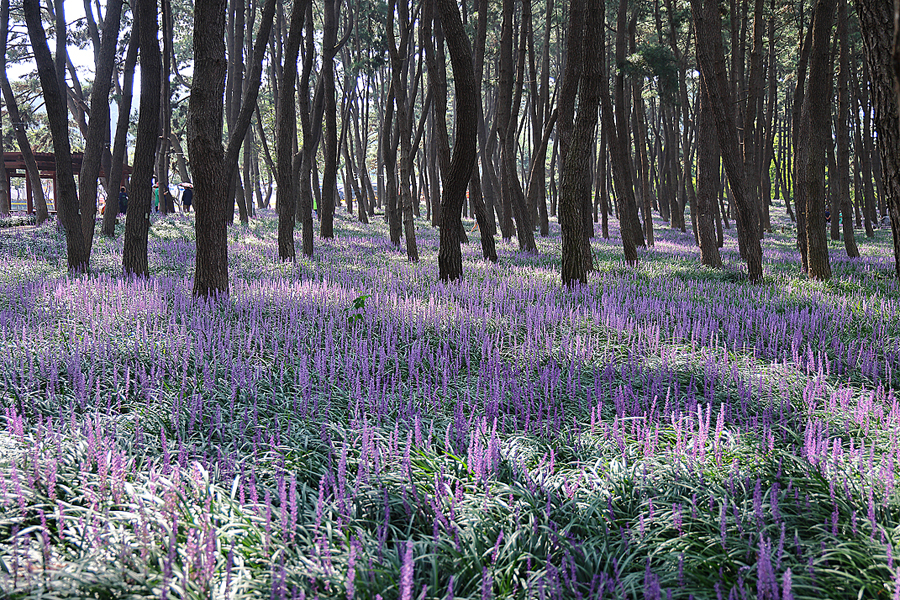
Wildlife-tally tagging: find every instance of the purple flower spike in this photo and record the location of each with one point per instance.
(406, 573)
(786, 593)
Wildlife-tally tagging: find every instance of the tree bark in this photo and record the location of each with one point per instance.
(308, 116)
(389, 153)
(12, 106)
(399, 81)
(622, 131)
(843, 133)
(488, 175)
(629, 223)
(122, 122)
(876, 18)
(575, 177)
(796, 125)
(707, 183)
(330, 47)
(137, 221)
(463, 159)
(712, 69)
(754, 95)
(286, 135)
(52, 78)
(511, 189)
(98, 127)
(205, 116)
(813, 139)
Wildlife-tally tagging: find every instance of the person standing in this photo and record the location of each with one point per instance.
(123, 201)
(187, 196)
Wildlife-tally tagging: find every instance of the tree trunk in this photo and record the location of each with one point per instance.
(602, 187)
(813, 139)
(843, 133)
(122, 122)
(507, 111)
(711, 58)
(796, 126)
(98, 127)
(575, 176)
(212, 167)
(876, 23)
(617, 134)
(308, 115)
(389, 152)
(137, 222)
(707, 183)
(640, 142)
(568, 90)
(399, 82)
(286, 134)
(329, 175)
(750, 144)
(205, 116)
(52, 78)
(866, 198)
(12, 106)
(463, 159)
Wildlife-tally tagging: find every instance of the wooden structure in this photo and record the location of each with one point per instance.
(14, 166)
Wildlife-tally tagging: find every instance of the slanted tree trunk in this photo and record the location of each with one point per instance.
(98, 127)
(399, 81)
(751, 124)
(602, 187)
(617, 134)
(488, 176)
(543, 115)
(507, 111)
(12, 107)
(437, 84)
(814, 137)
(876, 18)
(642, 163)
(865, 193)
(118, 153)
(463, 159)
(389, 152)
(568, 90)
(234, 81)
(5, 202)
(768, 150)
(711, 58)
(52, 77)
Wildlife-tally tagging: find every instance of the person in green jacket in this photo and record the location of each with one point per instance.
(156, 197)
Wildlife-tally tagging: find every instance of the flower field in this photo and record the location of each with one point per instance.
(348, 427)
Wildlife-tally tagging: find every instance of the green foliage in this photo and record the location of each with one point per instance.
(358, 304)
(656, 62)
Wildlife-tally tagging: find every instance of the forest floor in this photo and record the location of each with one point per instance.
(349, 427)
